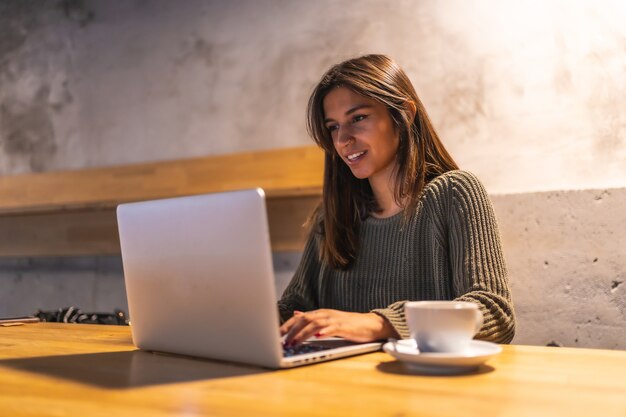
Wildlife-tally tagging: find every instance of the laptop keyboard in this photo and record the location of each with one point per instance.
(302, 349)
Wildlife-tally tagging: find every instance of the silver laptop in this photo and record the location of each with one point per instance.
(200, 282)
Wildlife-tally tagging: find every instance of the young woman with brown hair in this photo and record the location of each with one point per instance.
(398, 221)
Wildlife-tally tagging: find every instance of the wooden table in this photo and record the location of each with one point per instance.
(51, 369)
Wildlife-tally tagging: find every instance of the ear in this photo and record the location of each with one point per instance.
(411, 108)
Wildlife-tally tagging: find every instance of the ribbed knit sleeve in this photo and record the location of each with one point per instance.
(301, 293)
(394, 314)
(479, 272)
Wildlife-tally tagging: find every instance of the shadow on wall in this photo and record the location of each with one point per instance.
(34, 71)
(95, 284)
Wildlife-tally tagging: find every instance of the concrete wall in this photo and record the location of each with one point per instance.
(528, 95)
(94, 284)
(566, 255)
(91, 283)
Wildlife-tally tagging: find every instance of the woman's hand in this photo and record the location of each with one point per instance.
(357, 327)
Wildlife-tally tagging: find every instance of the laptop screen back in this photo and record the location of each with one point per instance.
(199, 276)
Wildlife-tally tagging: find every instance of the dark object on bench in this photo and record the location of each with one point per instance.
(75, 315)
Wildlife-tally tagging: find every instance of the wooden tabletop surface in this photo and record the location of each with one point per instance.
(49, 369)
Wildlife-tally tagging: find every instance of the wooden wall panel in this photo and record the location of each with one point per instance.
(94, 232)
(59, 234)
(73, 212)
(280, 172)
(286, 217)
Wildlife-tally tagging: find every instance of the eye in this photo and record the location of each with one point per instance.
(359, 117)
(332, 128)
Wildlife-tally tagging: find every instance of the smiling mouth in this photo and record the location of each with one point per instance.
(353, 157)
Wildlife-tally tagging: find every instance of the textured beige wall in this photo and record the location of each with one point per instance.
(566, 255)
(528, 95)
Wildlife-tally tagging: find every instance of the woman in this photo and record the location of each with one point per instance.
(398, 220)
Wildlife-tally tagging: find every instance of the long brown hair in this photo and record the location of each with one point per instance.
(421, 156)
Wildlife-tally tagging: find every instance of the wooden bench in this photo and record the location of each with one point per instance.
(72, 213)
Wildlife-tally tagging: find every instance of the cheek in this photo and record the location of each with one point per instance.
(394, 135)
(389, 137)
(396, 143)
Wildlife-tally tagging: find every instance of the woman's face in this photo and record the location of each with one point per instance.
(363, 133)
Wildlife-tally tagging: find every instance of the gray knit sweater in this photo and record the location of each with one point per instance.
(449, 249)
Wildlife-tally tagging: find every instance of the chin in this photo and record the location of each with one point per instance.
(361, 175)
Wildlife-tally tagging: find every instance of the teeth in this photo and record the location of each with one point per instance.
(353, 156)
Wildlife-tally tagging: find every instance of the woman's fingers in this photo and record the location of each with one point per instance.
(357, 327)
(303, 324)
(286, 326)
(292, 327)
(306, 332)
(307, 325)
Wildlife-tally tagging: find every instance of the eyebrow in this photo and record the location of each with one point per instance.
(352, 110)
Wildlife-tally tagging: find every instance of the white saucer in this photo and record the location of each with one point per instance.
(477, 353)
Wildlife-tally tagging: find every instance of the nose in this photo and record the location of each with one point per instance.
(344, 135)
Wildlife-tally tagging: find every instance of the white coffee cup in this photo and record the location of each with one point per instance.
(443, 326)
